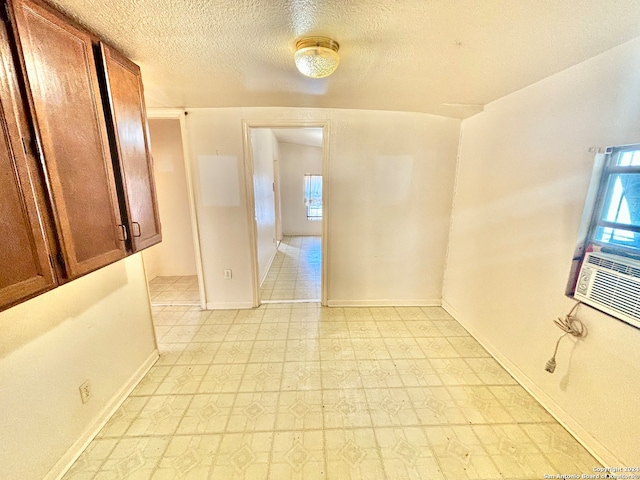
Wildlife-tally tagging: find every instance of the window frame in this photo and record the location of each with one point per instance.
(592, 212)
(602, 197)
(306, 197)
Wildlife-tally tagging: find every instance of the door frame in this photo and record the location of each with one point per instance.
(276, 199)
(251, 203)
(180, 115)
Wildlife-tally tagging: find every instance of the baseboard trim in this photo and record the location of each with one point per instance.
(384, 303)
(266, 272)
(302, 234)
(229, 306)
(79, 446)
(175, 304)
(297, 300)
(588, 441)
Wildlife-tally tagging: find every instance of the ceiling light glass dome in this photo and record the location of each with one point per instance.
(317, 57)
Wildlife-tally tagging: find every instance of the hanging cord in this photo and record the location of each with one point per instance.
(570, 325)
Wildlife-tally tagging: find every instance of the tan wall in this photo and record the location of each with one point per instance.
(523, 177)
(95, 328)
(295, 162)
(175, 255)
(390, 189)
(262, 145)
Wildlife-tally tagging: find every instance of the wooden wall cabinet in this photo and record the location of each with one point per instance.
(76, 177)
(24, 255)
(130, 142)
(68, 115)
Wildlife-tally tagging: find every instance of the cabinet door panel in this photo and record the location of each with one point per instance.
(65, 95)
(25, 269)
(126, 101)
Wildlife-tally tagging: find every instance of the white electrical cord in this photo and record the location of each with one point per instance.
(570, 325)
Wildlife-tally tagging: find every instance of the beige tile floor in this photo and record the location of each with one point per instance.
(295, 271)
(167, 290)
(299, 391)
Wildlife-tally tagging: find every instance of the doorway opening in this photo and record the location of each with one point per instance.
(295, 273)
(172, 266)
(287, 165)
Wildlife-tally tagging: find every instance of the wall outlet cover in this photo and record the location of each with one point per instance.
(85, 391)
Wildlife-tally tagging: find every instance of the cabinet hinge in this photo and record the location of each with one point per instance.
(24, 146)
(60, 260)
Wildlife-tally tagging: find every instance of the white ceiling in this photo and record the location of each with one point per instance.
(447, 57)
(309, 136)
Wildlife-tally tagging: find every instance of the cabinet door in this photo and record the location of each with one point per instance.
(67, 111)
(128, 114)
(25, 268)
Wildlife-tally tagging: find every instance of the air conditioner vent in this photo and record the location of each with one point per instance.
(618, 292)
(614, 266)
(612, 285)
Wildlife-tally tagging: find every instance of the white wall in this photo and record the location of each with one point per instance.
(389, 182)
(217, 162)
(262, 145)
(175, 255)
(295, 162)
(523, 177)
(97, 327)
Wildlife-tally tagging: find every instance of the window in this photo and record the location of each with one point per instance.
(313, 196)
(606, 266)
(615, 225)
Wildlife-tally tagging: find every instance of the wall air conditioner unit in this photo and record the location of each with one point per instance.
(611, 284)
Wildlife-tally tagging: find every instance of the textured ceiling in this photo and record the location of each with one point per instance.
(447, 57)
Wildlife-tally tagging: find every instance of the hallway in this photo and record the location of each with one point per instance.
(295, 274)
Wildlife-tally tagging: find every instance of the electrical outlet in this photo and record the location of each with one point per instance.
(85, 391)
(227, 274)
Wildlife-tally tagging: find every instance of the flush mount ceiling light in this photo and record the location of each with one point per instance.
(317, 57)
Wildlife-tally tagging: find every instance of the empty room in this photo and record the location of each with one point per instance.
(320, 240)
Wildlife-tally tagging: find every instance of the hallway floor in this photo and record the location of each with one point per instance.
(295, 272)
(299, 391)
(167, 290)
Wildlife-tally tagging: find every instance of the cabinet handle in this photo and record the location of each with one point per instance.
(133, 224)
(123, 230)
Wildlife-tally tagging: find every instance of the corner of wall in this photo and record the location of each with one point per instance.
(451, 214)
